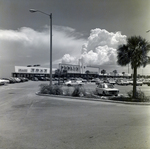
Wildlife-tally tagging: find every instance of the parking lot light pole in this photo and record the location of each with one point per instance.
(50, 16)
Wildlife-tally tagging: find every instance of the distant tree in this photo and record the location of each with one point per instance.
(115, 72)
(135, 53)
(123, 73)
(103, 72)
(87, 74)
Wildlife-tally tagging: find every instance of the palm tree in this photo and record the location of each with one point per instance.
(103, 72)
(123, 73)
(135, 52)
(115, 72)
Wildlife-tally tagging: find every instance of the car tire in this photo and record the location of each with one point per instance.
(104, 93)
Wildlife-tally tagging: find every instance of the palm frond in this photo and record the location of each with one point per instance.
(123, 55)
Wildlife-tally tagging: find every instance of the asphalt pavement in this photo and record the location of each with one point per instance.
(29, 121)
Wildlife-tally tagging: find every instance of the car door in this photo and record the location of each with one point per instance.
(99, 89)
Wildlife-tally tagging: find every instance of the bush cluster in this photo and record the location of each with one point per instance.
(140, 96)
(78, 91)
(54, 89)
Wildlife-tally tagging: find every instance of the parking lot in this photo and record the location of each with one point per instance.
(89, 86)
(29, 121)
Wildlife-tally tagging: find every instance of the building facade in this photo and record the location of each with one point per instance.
(29, 72)
(71, 71)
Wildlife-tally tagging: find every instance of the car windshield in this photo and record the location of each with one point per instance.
(108, 86)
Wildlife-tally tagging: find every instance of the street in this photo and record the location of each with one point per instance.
(29, 121)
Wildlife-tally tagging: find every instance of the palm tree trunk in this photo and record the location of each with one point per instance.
(134, 82)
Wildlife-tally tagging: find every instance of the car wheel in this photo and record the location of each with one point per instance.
(104, 93)
(69, 85)
(97, 92)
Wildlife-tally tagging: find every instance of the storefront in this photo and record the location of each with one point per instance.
(30, 72)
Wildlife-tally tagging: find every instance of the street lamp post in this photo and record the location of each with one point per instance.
(50, 16)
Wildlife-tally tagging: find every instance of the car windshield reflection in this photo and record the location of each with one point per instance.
(108, 86)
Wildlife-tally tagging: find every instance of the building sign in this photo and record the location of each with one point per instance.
(22, 70)
(39, 70)
(70, 68)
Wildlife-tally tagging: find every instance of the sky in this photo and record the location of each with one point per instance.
(81, 29)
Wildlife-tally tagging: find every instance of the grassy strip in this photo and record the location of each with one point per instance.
(80, 91)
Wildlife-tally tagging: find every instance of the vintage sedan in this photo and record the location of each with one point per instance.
(107, 89)
(74, 83)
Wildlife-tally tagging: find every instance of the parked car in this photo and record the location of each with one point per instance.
(74, 83)
(3, 81)
(98, 81)
(112, 81)
(138, 82)
(122, 82)
(18, 80)
(9, 80)
(148, 84)
(34, 79)
(146, 81)
(12, 80)
(130, 82)
(107, 89)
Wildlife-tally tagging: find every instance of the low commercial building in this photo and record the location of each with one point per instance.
(30, 72)
(77, 71)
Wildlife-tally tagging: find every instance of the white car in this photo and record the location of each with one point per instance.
(122, 82)
(107, 89)
(74, 83)
(3, 81)
(111, 81)
(130, 82)
(138, 82)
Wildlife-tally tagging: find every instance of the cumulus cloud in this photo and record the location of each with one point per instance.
(69, 59)
(101, 47)
(28, 46)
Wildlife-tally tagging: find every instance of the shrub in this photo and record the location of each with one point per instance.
(57, 90)
(140, 96)
(78, 92)
(67, 91)
(54, 89)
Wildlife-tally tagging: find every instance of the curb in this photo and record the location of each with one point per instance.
(96, 99)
